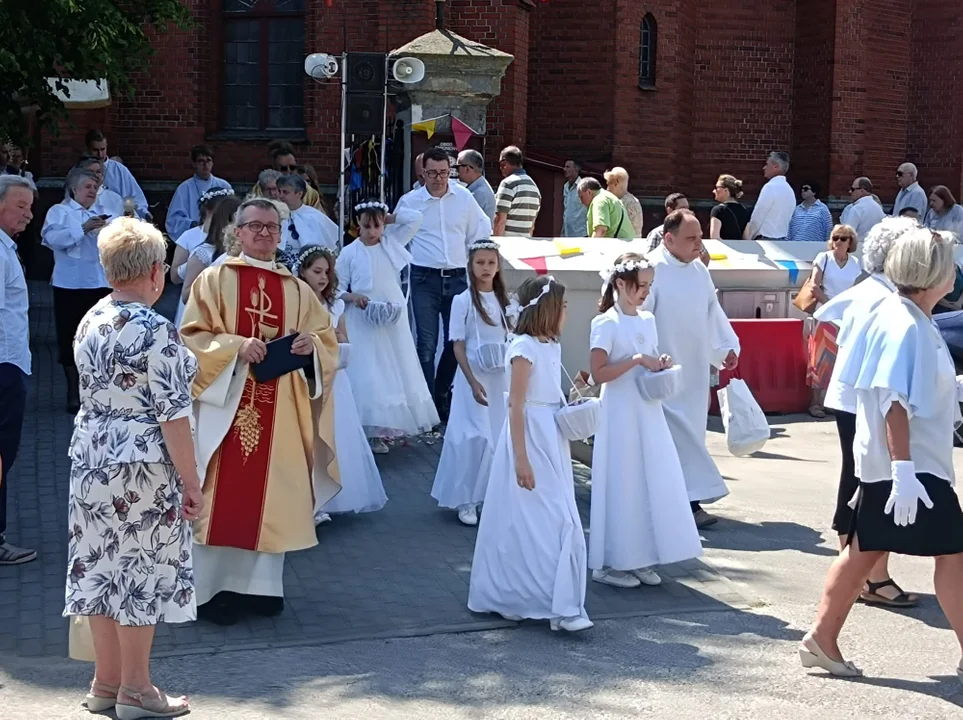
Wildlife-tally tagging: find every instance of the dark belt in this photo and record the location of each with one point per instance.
(443, 272)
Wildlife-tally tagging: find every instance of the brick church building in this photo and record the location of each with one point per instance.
(676, 91)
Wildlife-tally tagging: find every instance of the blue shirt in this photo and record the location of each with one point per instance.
(812, 224)
(14, 329)
(484, 196)
(76, 260)
(183, 212)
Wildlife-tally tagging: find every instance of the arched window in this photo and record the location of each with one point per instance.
(263, 55)
(647, 51)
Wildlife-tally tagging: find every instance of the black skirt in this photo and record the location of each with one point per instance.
(848, 482)
(70, 306)
(936, 532)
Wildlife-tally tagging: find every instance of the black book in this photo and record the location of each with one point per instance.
(280, 360)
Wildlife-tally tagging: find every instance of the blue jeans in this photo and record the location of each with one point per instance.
(431, 296)
(13, 390)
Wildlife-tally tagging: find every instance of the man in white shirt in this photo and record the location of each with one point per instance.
(116, 175)
(776, 204)
(910, 194)
(16, 198)
(306, 225)
(183, 212)
(573, 211)
(471, 171)
(451, 221)
(864, 212)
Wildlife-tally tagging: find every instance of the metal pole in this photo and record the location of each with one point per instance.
(341, 167)
(384, 136)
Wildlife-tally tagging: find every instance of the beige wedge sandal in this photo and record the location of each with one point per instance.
(150, 707)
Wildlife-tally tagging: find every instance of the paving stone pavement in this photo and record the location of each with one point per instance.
(399, 572)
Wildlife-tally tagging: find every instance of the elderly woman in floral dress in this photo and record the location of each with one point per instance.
(133, 481)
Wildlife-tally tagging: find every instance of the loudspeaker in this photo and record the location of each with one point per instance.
(365, 114)
(366, 73)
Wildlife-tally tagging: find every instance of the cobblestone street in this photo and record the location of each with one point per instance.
(399, 572)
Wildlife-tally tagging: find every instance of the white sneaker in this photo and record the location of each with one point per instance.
(647, 576)
(616, 578)
(320, 518)
(468, 515)
(378, 446)
(572, 625)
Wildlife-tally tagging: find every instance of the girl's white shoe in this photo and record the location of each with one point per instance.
(647, 576)
(468, 515)
(811, 655)
(572, 625)
(615, 578)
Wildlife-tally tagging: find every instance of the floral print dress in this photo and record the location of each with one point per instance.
(129, 548)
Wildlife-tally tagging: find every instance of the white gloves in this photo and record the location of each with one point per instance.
(907, 492)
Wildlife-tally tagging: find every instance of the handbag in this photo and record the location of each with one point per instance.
(580, 419)
(489, 357)
(805, 300)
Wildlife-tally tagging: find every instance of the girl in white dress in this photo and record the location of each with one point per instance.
(530, 553)
(477, 398)
(640, 507)
(361, 487)
(389, 387)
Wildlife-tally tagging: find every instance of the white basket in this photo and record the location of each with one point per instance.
(661, 385)
(579, 420)
(490, 357)
(344, 355)
(380, 313)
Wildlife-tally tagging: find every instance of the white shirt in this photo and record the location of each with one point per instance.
(312, 227)
(449, 225)
(76, 260)
(14, 303)
(913, 196)
(573, 211)
(837, 279)
(773, 210)
(862, 215)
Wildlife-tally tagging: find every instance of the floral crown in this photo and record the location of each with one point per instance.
(371, 205)
(626, 266)
(305, 255)
(515, 308)
(213, 193)
(484, 245)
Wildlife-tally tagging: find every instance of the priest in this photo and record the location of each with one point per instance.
(695, 331)
(184, 211)
(256, 441)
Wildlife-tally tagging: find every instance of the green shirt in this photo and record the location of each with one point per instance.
(608, 210)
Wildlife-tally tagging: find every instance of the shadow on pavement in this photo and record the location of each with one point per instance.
(729, 534)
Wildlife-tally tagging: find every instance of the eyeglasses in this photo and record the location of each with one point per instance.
(258, 227)
(434, 174)
(294, 231)
(287, 168)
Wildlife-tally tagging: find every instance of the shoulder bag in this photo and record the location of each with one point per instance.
(805, 301)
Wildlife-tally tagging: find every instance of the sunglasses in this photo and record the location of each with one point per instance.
(806, 188)
(900, 173)
(854, 189)
(287, 168)
(840, 238)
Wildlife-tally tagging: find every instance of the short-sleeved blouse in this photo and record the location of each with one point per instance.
(203, 252)
(544, 382)
(134, 374)
(734, 218)
(466, 323)
(622, 336)
(837, 279)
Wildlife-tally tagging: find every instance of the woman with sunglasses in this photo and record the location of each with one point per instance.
(811, 221)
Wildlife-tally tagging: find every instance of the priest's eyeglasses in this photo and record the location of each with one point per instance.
(258, 227)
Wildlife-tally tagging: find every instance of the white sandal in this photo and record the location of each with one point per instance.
(99, 703)
(150, 707)
(811, 655)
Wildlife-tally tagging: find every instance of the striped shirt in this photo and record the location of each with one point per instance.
(518, 197)
(813, 224)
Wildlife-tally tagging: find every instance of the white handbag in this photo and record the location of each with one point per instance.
(488, 357)
(344, 355)
(580, 419)
(661, 385)
(747, 429)
(380, 313)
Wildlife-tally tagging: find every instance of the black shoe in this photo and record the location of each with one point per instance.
(220, 610)
(73, 390)
(263, 605)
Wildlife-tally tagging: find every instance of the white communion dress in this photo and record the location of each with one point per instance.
(529, 557)
(466, 456)
(640, 507)
(361, 487)
(389, 386)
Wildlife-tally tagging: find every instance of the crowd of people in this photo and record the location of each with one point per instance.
(208, 445)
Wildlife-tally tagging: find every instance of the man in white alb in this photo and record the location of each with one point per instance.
(910, 194)
(863, 213)
(184, 213)
(306, 225)
(695, 332)
(116, 175)
(776, 204)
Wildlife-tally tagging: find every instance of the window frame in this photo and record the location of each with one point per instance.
(263, 11)
(648, 51)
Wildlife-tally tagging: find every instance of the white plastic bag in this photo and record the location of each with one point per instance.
(746, 427)
(80, 642)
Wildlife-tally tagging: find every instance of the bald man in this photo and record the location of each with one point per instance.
(910, 194)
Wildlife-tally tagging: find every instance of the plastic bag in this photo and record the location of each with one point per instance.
(747, 429)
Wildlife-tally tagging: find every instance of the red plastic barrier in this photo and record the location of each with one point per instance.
(773, 364)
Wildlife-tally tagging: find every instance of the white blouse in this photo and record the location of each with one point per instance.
(837, 279)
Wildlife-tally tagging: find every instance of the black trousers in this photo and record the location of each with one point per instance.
(13, 401)
(70, 306)
(848, 482)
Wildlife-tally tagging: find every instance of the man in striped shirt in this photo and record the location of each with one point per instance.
(518, 199)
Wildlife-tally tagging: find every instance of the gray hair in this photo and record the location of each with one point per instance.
(908, 167)
(879, 240)
(267, 176)
(262, 203)
(12, 181)
(864, 183)
(921, 260)
(589, 183)
(617, 176)
(129, 250)
(75, 177)
(472, 158)
(781, 159)
(85, 162)
(293, 182)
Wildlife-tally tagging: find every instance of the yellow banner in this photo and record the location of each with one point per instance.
(425, 126)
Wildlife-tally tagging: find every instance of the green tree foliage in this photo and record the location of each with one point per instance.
(80, 39)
